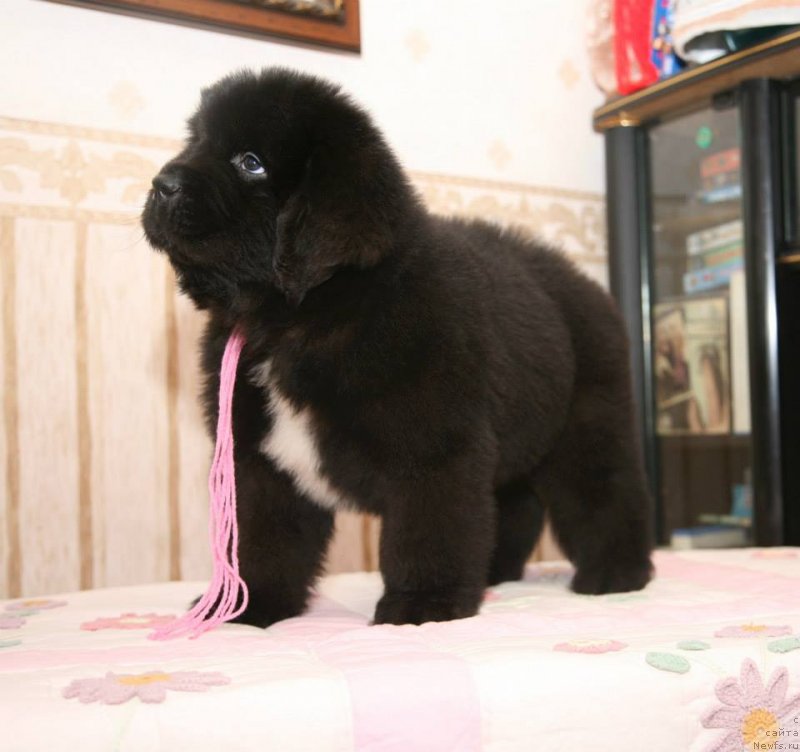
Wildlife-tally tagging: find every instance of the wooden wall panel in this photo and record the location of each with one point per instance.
(46, 391)
(9, 450)
(547, 548)
(195, 448)
(346, 553)
(126, 343)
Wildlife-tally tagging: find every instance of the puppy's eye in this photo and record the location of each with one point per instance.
(250, 163)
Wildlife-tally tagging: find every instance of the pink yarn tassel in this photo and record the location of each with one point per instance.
(218, 605)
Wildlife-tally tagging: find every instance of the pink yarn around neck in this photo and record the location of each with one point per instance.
(219, 604)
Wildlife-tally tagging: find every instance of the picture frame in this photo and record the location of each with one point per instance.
(332, 23)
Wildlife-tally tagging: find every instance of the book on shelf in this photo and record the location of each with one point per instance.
(729, 520)
(691, 366)
(720, 193)
(720, 176)
(742, 498)
(722, 162)
(709, 536)
(715, 238)
(717, 257)
(741, 509)
(712, 278)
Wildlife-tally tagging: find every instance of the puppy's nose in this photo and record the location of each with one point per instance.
(167, 184)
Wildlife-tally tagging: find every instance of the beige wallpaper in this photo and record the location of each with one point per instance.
(104, 454)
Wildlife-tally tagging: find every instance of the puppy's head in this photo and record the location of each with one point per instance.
(282, 182)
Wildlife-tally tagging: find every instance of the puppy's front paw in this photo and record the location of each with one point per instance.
(611, 578)
(418, 608)
(256, 616)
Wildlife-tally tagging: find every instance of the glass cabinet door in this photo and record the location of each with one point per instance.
(699, 340)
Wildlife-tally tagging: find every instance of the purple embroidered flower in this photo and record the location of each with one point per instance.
(128, 621)
(34, 604)
(590, 646)
(11, 621)
(541, 573)
(114, 689)
(750, 712)
(753, 630)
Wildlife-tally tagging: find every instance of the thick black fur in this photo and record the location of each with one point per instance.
(461, 379)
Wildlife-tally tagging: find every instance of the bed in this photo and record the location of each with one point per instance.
(706, 658)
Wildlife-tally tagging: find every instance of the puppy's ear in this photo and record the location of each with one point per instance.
(345, 213)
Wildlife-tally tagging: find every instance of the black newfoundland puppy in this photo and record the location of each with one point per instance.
(449, 376)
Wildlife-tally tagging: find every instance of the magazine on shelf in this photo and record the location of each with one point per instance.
(691, 366)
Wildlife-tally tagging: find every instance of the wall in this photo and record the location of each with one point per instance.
(103, 481)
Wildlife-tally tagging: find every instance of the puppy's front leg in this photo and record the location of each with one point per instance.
(282, 541)
(434, 553)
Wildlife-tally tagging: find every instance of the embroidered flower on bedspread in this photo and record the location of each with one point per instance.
(11, 621)
(773, 553)
(34, 604)
(114, 689)
(751, 712)
(128, 621)
(753, 630)
(590, 646)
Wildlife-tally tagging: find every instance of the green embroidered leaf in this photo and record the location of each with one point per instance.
(784, 645)
(693, 645)
(9, 643)
(625, 597)
(668, 662)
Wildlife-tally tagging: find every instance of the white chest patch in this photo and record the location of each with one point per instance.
(291, 445)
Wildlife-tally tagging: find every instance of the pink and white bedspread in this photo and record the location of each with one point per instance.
(706, 658)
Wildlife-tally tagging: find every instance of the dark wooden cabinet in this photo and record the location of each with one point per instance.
(704, 260)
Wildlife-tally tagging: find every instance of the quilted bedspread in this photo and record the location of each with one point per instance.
(706, 658)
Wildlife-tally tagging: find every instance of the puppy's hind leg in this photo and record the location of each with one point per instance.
(520, 518)
(593, 487)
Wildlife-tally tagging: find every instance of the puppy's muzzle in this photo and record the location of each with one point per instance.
(182, 203)
(167, 185)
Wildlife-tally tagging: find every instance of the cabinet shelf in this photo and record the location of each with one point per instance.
(713, 311)
(777, 58)
(705, 441)
(695, 217)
